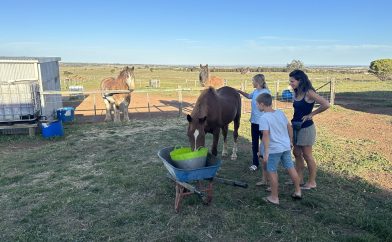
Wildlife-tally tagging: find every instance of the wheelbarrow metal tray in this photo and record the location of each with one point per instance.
(209, 171)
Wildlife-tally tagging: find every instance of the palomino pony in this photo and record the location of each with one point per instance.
(214, 110)
(207, 81)
(124, 81)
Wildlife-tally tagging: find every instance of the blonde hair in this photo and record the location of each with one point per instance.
(260, 79)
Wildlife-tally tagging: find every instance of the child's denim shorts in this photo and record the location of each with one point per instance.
(274, 159)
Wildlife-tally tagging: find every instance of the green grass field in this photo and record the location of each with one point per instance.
(106, 182)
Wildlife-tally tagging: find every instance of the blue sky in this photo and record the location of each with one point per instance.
(334, 32)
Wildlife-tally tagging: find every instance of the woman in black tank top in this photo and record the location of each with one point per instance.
(304, 99)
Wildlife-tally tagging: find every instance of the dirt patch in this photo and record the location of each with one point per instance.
(92, 108)
(373, 129)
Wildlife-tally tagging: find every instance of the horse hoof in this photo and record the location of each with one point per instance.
(233, 157)
(224, 154)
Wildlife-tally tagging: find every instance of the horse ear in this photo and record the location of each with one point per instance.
(206, 65)
(202, 120)
(201, 66)
(189, 118)
(133, 68)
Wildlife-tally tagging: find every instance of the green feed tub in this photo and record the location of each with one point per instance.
(185, 158)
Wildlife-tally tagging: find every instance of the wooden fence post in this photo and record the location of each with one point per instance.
(332, 91)
(148, 104)
(179, 101)
(95, 108)
(276, 93)
(243, 108)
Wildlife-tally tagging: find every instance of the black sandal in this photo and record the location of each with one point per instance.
(296, 196)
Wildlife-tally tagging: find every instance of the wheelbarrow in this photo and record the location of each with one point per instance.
(182, 177)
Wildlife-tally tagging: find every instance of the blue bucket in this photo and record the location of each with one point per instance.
(66, 114)
(287, 95)
(52, 129)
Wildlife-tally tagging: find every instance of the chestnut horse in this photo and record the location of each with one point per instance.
(124, 81)
(207, 81)
(214, 110)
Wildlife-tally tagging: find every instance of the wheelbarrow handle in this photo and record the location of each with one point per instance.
(231, 182)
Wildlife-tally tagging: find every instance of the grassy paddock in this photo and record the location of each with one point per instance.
(105, 182)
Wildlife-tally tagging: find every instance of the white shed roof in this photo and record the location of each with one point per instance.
(26, 59)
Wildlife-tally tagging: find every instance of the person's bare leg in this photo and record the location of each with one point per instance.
(299, 163)
(295, 178)
(264, 170)
(273, 179)
(312, 167)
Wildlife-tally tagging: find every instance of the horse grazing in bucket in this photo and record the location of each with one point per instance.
(214, 110)
(207, 81)
(124, 81)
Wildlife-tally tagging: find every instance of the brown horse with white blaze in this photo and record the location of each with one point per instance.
(206, 80)
(213, 111)
(124, 81)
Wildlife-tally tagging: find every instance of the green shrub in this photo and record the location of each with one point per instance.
(381, 68)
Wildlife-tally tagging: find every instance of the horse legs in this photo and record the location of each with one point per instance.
(235, 136)
(125, 111)
(108, 110)
(215, 134)
(126, 115)
(225, 129)
(116, 113)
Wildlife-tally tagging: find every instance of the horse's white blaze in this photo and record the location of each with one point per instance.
(130, 82)
(195, 134)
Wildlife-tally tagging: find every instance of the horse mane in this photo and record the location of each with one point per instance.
(123, 74)
(201, 107)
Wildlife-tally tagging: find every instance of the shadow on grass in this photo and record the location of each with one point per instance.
(105, 181)
(376, 102)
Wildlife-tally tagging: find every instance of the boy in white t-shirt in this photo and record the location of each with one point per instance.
(277, 140)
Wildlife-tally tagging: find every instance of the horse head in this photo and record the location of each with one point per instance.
(128, 75)
(196, 133)
(204, 74)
